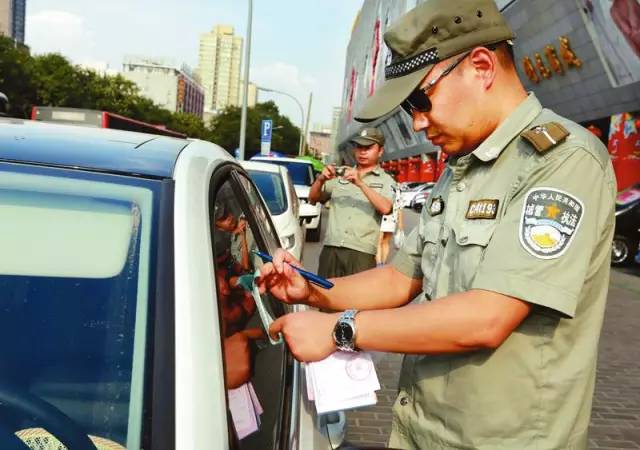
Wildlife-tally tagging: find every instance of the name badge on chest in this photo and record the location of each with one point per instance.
(483, 209)
(436, 207)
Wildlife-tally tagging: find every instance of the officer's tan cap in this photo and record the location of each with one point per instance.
(369, 136)
(431, 32)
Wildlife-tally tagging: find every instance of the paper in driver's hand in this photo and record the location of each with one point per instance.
(341, 381)
(245, 410)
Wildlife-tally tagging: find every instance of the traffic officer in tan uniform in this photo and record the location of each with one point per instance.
(359, 198)
(509, 263)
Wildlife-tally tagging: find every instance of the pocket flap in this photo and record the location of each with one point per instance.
(474, 234)
(431, 231)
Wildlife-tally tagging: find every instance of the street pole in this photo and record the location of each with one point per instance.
(306, 125)
(299, 106)
(245, 86)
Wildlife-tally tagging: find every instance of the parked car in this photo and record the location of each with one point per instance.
(627, 231)
(409, 194)
(125, 323)
(420, 198)
(302, 173)
(276, 187)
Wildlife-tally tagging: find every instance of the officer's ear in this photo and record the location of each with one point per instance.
(485, 64)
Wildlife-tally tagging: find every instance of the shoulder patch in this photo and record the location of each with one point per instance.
(550, 219)
(546, 136)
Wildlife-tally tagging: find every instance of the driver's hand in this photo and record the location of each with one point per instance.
(282, 281)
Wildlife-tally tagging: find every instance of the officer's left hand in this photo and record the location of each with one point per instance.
(309, 334)
(351, 174)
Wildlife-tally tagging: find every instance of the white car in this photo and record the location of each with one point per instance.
(276, 187)
(129, 318)
(409, 194)
(301, 172)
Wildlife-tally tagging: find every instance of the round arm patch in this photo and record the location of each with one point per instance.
(550, 219)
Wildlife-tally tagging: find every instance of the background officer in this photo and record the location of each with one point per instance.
(510, 259)
(359, 198)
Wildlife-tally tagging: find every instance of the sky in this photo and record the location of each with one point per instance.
(298, 46)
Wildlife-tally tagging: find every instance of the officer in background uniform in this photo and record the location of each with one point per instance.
(359, 198)
(510, 259)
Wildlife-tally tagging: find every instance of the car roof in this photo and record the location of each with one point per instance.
(278, 158)
(262, 166)
(88, 148)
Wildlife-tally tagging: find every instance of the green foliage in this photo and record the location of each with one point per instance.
(51, 80)
(226, 125)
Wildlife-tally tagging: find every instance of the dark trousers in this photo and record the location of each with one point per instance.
(341, 261)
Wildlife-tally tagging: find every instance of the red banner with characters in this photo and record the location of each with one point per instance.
(624, 148)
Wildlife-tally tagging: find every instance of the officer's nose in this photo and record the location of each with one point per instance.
(420, 121)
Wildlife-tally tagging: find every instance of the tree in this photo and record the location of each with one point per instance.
(15, 77)
(225, 129)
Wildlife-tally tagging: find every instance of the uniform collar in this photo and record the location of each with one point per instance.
(517, 121)
(375, 171)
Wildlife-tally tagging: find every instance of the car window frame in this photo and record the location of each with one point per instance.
(231, 172)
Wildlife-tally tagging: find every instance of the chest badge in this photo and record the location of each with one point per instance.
(483, 209)
(550, 219)
(436, 207)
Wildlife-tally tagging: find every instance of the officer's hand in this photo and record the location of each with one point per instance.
(351, 174)
(329, 172)
(309, 334)
(282, 281)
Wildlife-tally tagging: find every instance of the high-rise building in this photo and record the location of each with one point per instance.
(169, 87)
(252, 95)
(219, 67)
(12, 14)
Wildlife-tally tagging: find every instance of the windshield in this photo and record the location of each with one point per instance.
(271, 187)
(301, 173)
(74, 280)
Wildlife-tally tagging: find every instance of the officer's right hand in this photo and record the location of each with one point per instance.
(329, 172)
(284, 283)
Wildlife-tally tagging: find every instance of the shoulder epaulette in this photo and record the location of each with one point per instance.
(546, 136)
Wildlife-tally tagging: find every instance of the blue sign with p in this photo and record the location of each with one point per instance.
(266, 129)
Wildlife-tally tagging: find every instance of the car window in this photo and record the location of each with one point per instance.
(272, 188)
(255, 368)
(74, 277)
(301, 173)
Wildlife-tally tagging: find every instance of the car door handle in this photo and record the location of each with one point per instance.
(247, 281)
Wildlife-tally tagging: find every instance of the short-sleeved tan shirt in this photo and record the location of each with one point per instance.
(535, 226)
(353, 221)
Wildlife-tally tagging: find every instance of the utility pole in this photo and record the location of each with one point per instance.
(245, 87)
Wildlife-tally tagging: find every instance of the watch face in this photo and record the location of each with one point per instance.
(344, 332)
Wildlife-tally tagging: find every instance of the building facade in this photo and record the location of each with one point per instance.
(12, 19)
(172, 88)
(580, 57)
(219, 65)
(252, 95)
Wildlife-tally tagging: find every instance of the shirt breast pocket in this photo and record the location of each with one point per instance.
(472, 240)
(431, 255)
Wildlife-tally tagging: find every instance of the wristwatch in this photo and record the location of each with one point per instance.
(344, 333)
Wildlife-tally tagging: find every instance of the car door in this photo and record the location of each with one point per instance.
(260, 376)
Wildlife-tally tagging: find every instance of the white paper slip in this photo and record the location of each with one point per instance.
(344, 375)
(342, 381)
(339, 405)
(243, 413)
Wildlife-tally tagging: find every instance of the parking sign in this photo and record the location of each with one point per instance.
(265, 136)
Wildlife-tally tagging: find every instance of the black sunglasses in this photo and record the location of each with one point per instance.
(418, 100)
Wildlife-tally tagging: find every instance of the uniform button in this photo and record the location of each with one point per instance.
(461, 186)
(463, 239)
(404, 401)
